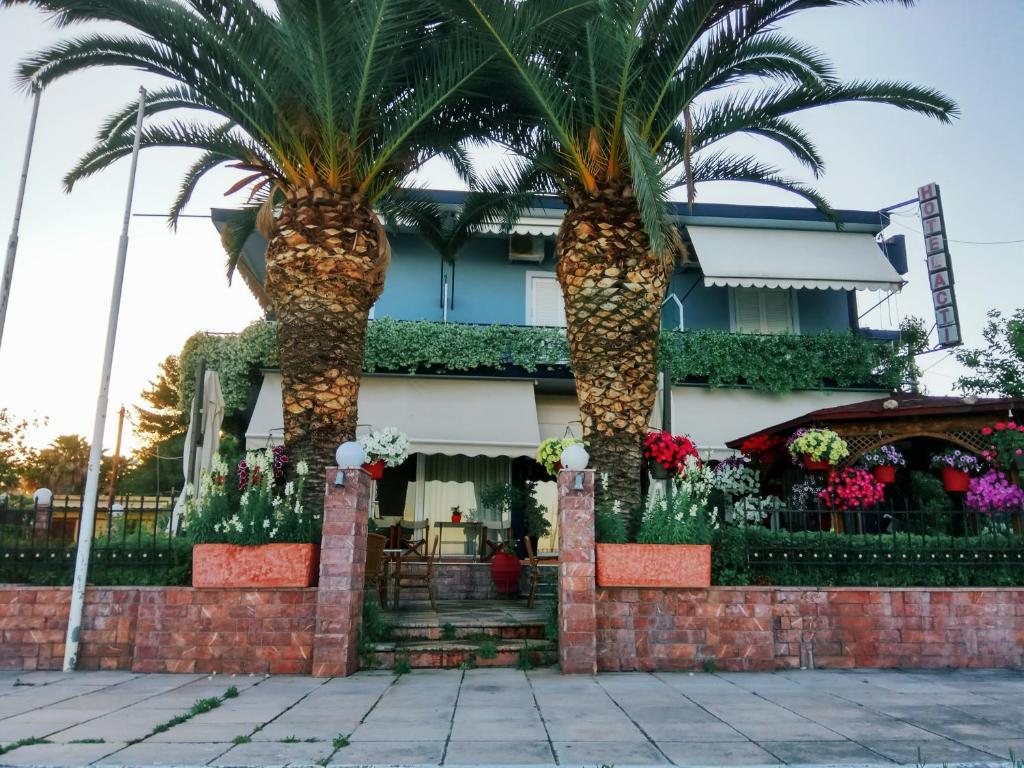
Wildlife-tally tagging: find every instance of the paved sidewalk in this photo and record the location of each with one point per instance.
(502, 716)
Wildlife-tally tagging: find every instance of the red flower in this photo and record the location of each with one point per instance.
(1011, 425)
(986, 431)
(1000, 426)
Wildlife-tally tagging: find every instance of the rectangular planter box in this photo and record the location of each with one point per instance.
(669, 566)
(267, 565)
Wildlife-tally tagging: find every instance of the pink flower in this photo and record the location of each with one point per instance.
(986, 431)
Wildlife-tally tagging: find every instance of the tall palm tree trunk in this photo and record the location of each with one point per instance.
(326, 261)
(613, 287)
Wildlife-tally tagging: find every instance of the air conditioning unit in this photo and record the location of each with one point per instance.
(528, 248)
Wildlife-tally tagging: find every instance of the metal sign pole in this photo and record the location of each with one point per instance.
(92, 483)
(12, 242)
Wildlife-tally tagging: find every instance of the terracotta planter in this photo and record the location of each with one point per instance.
(505, 572)
(955, 480)
(267, 565)
(885, 474)
(673, 566)
(375, 469)
(457, 517)
(814, 465)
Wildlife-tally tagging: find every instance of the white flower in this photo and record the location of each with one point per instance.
(289, 488)
(266, 523)
(302, 468)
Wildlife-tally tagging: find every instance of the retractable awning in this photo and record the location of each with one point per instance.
(472, 417)
(527, 225)
(780, 258)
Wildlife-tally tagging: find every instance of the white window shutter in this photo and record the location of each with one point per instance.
(546, 305)
(778, 310)
(748, 310)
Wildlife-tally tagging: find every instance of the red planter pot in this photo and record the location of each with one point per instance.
(678, 566)
(886, 474)
(267, 565)
(457, 518)
(955, 480)
(375, 469)
(505, 572)
(815, 466)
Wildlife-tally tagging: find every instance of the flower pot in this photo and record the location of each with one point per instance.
(266, 565)
(375, 469)
(659, 471)
(884, 474)
(815, 465)
(456, 517)
(672, 566)
(955, 480)
(505, 572)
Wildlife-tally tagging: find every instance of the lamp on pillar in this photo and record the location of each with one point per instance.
(349, 455)
(575, 459)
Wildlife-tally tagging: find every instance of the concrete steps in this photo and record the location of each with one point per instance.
(453, 654)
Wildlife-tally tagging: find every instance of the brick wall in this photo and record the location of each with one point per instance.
(766, 628)
(162, 629)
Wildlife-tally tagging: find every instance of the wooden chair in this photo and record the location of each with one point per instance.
(533, 571)
(415, 572)
(376, 566)
(414, 537)
(488, 546)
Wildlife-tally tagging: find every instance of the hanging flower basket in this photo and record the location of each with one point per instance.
(375, 469)
(658, 472)
(955, 480)
(884, 473)
(666, 453)
(549, 453)
(817, 449)
(812, 464)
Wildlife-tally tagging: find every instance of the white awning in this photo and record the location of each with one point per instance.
(785, 258)
(528, 225)
(472, 417)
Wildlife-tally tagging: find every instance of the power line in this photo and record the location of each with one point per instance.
(960, 242)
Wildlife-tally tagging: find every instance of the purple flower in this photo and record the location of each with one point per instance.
(993, 492)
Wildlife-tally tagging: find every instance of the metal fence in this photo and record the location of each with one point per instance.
(132, 542)
(893, 535)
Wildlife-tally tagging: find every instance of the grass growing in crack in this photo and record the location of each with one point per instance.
(290, 740)
(403, 665)
(447, 631)
(311, 740)
(488, 649)
(201, 706)
(231, 693)
(709, 665)
(88, 741)
(524, 662)
(241, 740)
(30, 741)
(341, 740)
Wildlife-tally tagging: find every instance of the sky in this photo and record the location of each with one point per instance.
(175, 285)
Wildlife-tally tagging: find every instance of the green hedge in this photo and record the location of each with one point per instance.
(119, 564)
(780, 558)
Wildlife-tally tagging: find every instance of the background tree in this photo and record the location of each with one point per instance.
(620, 102)
(61, 466)
(324, 108)
(14, 451)
(999, 367)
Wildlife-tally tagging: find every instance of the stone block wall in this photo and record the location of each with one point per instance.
(769, 628)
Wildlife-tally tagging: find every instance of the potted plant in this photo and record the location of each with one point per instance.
(506, 498)
(993, 492)
(883, 462)
(956, 467)
(817, 449)
(763, 450)
(505, 568)
(549, 453)
(1006, 440)
(456, 515)
(385, 447)
(254, 533)
(673, 548)
(851, 489)
(666, 454)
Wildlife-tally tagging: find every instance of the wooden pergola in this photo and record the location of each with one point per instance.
(870, 424)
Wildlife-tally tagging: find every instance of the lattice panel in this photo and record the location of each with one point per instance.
(972, 440)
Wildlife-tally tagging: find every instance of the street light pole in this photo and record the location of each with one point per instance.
(12, 241)
(92, 482)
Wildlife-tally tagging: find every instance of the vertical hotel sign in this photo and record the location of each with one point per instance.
(940, 266)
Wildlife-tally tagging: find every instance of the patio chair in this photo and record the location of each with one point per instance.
(533, 571)
(414, 537)
(376, 566)
(491, 546)
(414, 572)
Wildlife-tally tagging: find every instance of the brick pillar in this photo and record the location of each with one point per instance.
(339, 598)
(577, 619)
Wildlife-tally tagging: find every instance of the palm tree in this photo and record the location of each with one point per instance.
(619, 102)
(324, 106)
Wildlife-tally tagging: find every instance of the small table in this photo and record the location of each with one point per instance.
(467, 526)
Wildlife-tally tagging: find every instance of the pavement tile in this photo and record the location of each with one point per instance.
(584, 731)
(932, 751)
(58, 754)
(1001, 748)
(685, 731)
(259, 753)
(498, 729)
(615, 753)
(820, 752)
(394, 753)
(716, 753)
(763, 730)
(154, 753)
(191, 731)
(382, 731)
(523, 752)
(322, 730)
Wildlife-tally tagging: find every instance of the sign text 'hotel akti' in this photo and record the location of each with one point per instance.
(940, 266)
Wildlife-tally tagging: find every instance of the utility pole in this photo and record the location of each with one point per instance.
(117, 460)
(12, 242)
(92, 483)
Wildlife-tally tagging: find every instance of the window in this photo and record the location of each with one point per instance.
(763, 310)
(544, 304)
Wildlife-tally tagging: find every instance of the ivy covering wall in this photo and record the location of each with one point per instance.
(776, 364)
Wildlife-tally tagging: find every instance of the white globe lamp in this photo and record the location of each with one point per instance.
(43, 497)
(350, 455)
(575, 458)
